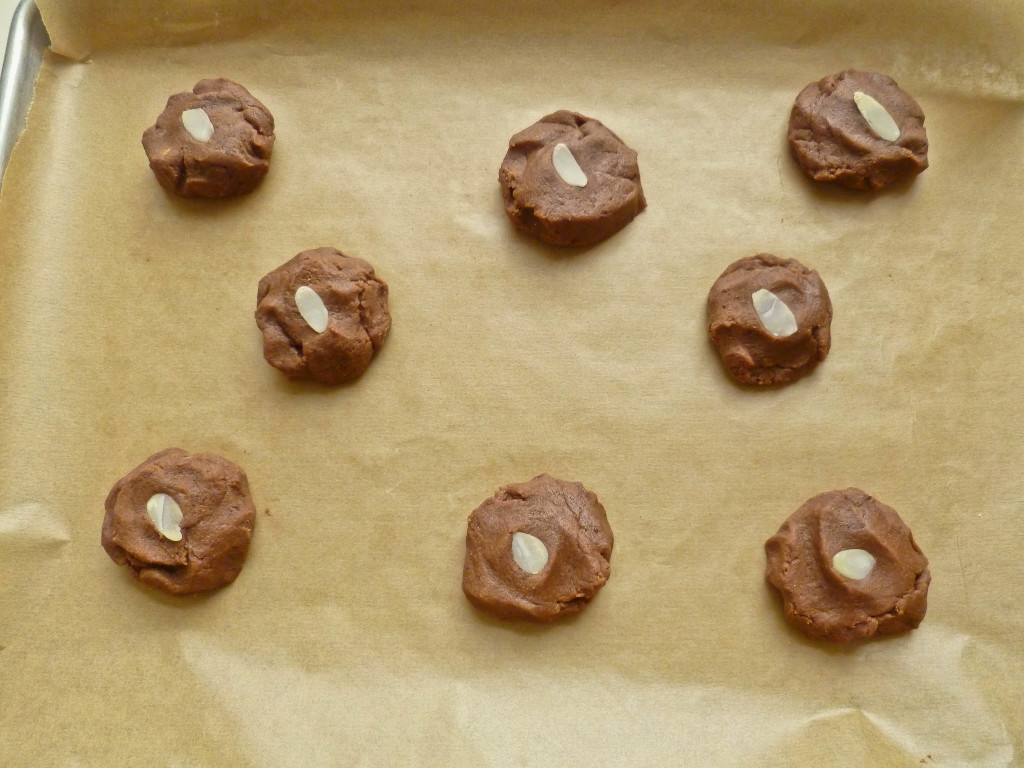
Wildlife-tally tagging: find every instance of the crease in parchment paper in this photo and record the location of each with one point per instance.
(496, 722)
(32, 525)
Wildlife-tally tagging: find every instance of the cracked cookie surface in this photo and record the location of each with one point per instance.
(572, 526)
(826, 604)
(751, 353)
(232, 161)
(216, 526)
(356, 304)
(541, 203)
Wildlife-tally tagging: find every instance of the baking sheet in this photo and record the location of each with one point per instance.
(128, 328)
(26, 42)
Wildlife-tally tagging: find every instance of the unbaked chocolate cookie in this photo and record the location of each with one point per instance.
(323, 315)
(568, 180)
(537, 550)
(182, 523)
(848, 568)
(213, 142)
(769, 319)
(858, 129)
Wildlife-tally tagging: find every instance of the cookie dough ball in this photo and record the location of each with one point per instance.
(848, 568)
(323, 315)
(181, 523)
(568, 180)
(213, 142)
(858, 129)
(769, 319)
(537, 550)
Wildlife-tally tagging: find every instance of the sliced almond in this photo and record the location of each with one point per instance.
(529, 552)
(198, 124)
(854, 564)
(166, 515)
(567, 167)
(877, 117)
(312, 308)
(775, 316)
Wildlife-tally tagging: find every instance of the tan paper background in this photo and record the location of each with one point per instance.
(127, 327)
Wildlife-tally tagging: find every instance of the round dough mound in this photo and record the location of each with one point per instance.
(571, 523)
(218, 518)
(234, 160)
(824, 604)
(832, 141)
(357, 304)
(750, 353)
(541, 204)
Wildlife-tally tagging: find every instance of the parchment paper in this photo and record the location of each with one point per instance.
(127, 328)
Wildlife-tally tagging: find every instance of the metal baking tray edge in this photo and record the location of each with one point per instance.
(25, 45)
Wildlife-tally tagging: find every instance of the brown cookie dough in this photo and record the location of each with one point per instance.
(566, 548)
(230, 161)
(832, 139)
(202, 549)
(347, 304)
(793, 335)
(540, 200)
(878, 585)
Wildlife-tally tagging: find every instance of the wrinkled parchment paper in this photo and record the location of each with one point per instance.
(127, 327)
